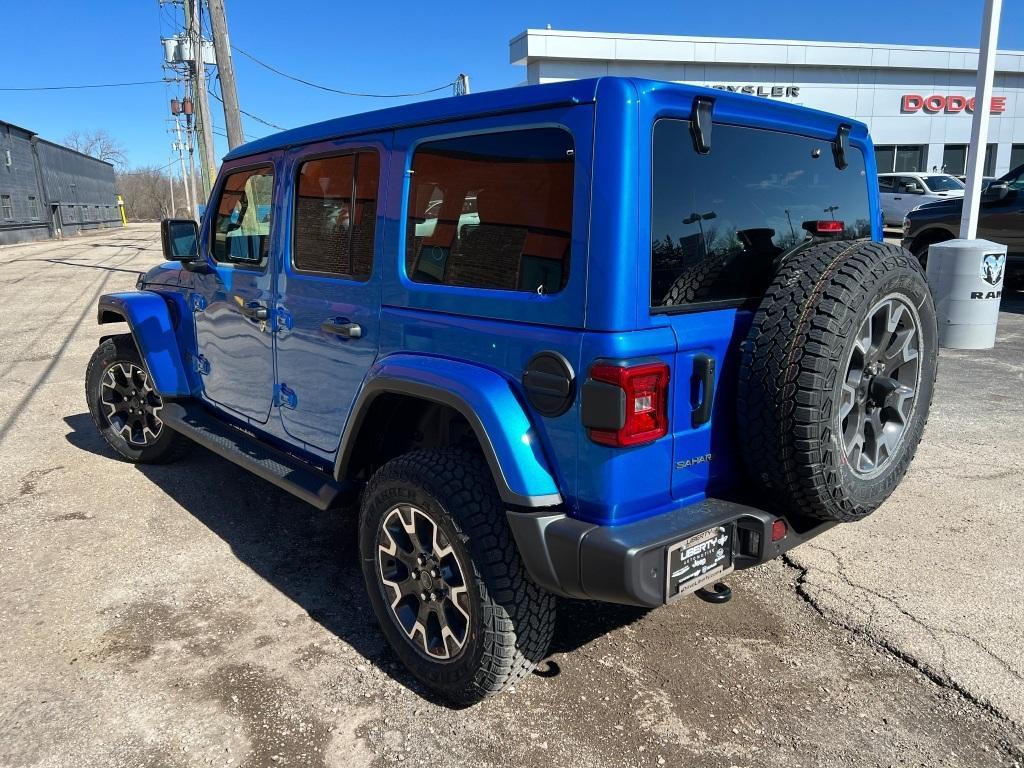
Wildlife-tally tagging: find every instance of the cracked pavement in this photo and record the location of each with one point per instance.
(937, 574)
(191, 615)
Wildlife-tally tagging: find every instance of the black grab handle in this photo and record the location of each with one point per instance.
(704, 377)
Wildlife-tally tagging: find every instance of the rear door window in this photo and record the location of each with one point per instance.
(720, 221)
(492, 210)
(335, 215)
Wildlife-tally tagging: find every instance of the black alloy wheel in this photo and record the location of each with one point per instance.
(424, 582)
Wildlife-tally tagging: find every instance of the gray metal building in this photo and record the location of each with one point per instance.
(47, 190)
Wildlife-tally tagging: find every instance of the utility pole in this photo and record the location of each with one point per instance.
(188, 110)
(461, 85)
(204, 128)
(226, 73)
(170, 179)
(178, 147)
(179, 108)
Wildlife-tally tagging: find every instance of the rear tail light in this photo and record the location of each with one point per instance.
(645, 390)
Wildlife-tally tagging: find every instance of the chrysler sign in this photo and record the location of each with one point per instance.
(773, 91)
(950, 105)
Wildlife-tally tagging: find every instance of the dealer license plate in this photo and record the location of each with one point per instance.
(698, 561)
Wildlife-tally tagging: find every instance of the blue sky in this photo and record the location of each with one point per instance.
(386, 47)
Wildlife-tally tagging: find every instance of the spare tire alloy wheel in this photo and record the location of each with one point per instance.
(836, 379)
(130, 404)
(424, 582)
(880, 387)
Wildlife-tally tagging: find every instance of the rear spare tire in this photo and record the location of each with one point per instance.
(836, 378)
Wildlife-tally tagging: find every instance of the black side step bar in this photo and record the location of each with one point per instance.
(293, 475)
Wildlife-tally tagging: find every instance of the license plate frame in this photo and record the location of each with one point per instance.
(699, 560)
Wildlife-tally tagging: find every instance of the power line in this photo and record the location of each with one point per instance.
(336, 90)
(267, 123)
(79, 87)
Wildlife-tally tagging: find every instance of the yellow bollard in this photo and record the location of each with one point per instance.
(120, 205)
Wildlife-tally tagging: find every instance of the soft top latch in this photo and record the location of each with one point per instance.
(840, 145)
(700, 124)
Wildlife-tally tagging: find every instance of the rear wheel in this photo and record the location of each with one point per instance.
(124, 405)
(445, 580)
(836, 378)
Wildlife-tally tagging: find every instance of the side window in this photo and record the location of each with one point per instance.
(1016, 182)
(241, 225)
(885, 184)
(493, 211)
(335, 214)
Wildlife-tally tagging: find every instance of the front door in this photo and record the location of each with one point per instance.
(327, 313)
(232, 301)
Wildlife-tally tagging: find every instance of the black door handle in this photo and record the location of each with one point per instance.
(343, 328)
(254, 311)
(704, 380)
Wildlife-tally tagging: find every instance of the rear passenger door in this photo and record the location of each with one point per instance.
(327, 313)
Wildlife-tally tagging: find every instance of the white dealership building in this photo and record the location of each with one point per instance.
(917, 100)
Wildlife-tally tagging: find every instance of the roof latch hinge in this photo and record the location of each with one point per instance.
(700, 124)
(841, 145)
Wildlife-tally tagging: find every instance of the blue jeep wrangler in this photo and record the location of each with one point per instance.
(606, 339)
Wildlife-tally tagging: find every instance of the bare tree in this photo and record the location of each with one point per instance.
(147, 194)
(98, 144)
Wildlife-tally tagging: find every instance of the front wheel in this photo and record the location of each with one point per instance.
(124, 405)
(445, 580)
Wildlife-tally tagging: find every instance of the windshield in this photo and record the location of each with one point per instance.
(719, 221)
(943, 183)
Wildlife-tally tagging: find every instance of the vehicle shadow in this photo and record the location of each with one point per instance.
(312, 556)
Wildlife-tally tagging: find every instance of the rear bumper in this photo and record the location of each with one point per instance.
(626, 563)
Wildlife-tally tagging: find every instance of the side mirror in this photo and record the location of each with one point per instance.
(913, 189)
(995, 192)
(180, 239)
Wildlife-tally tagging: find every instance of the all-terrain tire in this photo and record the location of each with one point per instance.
(794, 365)
(511, 619)
(161, 447)
(696, 283)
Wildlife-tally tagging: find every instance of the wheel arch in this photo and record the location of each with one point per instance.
(929, 236)
(429, 395)
(152, 328)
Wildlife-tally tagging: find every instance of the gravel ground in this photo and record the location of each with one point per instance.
(191, 615)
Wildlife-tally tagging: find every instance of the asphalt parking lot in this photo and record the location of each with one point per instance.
(191, 615)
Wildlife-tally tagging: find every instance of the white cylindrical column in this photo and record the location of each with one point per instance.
(966, 279)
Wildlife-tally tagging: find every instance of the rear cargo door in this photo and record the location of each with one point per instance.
(720, 224)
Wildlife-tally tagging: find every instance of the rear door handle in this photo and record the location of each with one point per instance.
(704, 379)
(343, 328)
(254, 310)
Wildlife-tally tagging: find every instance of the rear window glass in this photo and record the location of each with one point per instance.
(493, 211)
(720, 221)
